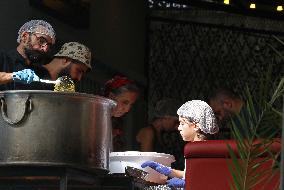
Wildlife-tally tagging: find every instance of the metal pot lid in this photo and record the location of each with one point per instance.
(53, 93)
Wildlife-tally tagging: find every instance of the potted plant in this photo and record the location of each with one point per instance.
(253, 135)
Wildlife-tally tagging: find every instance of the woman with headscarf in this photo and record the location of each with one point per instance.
(125, 93)
(196, 123)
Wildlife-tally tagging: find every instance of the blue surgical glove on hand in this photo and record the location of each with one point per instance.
(25, 76)
(158, 167)
(176, 182)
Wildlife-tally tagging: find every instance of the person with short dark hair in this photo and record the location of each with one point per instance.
(230, 109)
(226, 104)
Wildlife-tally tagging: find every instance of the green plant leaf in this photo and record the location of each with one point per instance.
(250, 125)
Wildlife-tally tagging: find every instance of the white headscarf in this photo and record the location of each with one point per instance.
(201, 113)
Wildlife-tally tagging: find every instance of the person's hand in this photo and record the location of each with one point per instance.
(25, 76)
(176, 182)
(158, 167)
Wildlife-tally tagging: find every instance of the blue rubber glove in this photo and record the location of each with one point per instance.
(158, 167)
(176, 182)
(25, 76)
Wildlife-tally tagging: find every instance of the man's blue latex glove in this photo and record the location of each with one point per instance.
(158, 167)
(25, 76)
(176, 182)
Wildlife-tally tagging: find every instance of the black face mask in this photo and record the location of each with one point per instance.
(34, 55)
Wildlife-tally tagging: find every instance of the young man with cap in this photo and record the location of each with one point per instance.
(72, 60)
(35, 38)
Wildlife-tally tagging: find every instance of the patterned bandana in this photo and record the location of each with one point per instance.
(116, 82)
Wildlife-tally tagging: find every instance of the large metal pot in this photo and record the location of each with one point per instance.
(55, 129)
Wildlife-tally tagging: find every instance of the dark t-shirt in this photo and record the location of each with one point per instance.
(12, 61)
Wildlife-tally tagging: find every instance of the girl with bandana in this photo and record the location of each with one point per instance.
(125, 92)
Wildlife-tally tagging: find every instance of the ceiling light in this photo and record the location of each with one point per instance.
(227, 2)
(252, 6)
(279, 8)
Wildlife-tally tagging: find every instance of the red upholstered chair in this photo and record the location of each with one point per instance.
(207, 165)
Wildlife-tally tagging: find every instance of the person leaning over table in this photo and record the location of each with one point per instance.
(16, 66)
(125, 93)
(196, 123)
(72, 60)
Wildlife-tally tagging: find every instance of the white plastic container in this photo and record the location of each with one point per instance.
(119, 160)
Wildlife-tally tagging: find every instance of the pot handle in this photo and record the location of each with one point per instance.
(28, 108)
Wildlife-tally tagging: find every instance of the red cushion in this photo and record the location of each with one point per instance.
(207, 165)
(218, 148)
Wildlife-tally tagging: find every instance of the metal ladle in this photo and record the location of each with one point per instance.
(49, 81)
(62, 84)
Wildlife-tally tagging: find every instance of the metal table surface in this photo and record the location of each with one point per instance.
(59, 178)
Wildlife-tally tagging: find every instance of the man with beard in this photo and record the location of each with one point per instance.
(73, 60)
(16, 66)
(226, 104)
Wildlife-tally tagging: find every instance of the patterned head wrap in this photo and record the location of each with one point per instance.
(39, 27)
(201, 113)
(115, 83)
